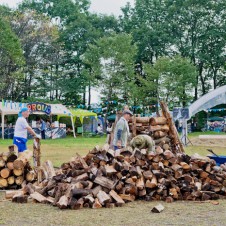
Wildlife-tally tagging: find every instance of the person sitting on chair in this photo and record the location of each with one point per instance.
(99, 130)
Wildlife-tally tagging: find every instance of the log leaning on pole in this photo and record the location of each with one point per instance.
(178, 147)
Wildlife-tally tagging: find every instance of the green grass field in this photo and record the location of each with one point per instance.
(61, 150)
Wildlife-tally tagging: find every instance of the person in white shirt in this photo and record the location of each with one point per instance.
(100, 130)
(21, 129)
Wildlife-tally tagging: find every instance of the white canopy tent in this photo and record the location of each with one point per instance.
(13, 108)
(209, 100)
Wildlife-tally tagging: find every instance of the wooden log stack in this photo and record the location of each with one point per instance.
(107, 178)
(15, 170)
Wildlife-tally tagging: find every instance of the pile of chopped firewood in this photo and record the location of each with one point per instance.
(14, 170)
(107, 178)
(161, 129)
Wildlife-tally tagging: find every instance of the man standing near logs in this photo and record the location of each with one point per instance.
(121, 132)
(143, 142)
(21, 129)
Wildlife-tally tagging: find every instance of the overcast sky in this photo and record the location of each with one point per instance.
(99, 6)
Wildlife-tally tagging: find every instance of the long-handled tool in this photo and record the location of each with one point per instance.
(211, 151)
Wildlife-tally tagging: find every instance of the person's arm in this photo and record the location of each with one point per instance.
(119, 134)
(31, 131)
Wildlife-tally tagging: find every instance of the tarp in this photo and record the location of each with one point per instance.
(80, 113)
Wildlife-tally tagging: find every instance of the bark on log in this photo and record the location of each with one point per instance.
(158, 121)
(37, 152)
(21, 161)
(125, 197)
(20, 198)
(103, 197)
(38, 197)
(10, 193)
(63, 202)
(163, 128)
(116, 197)
(143, 120)
(105, 182)
(162, 140)
(77, 193)
(159, 134)
(48, 166)
(96, 204)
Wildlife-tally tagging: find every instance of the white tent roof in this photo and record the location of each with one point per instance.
(13, 108)
(59, 109)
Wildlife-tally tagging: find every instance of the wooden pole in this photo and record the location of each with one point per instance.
(37, 152)
(3, 125)
(172, 129)
(73, 126)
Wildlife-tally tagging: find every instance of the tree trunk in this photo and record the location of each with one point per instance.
(89, 93)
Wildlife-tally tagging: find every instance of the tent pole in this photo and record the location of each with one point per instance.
(73, 126)
(3, 128)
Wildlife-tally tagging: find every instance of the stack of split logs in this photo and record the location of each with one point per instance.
(161, 129)
(15, 171)
(107, 178)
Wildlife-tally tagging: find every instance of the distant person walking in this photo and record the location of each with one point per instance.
(121, 132)
(43, 129)
(21, 129)
(109, 130)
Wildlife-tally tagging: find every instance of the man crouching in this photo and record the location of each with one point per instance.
(143, 142)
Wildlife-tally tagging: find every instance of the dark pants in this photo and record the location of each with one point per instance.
(116, 148)
(43, 134)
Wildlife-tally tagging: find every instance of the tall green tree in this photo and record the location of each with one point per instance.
(173, 79)
(37, 36)
(112, 63)
(11, 57)
(198, 27)
(77, 29)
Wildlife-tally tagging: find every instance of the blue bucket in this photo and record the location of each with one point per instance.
(219, 160)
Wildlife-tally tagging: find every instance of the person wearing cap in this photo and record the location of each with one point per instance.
(21, 129)
(121, 132)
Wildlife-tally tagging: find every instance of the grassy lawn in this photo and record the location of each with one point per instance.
(61, 150)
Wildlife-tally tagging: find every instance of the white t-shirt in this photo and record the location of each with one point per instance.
(99, 129)
(20, 128)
